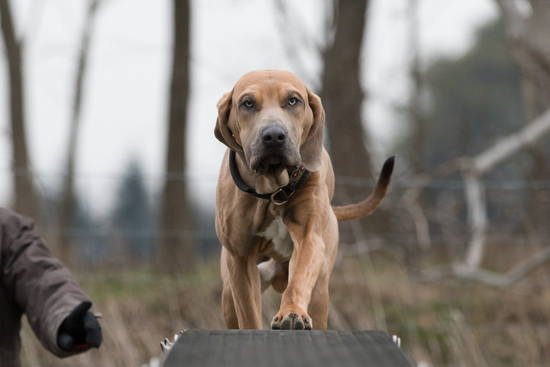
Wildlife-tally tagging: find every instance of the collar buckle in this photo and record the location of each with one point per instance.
(285, 199)
(279, 197)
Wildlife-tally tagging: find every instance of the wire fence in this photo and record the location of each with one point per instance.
(515, 207)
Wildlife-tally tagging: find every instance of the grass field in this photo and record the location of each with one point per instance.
(447, 322)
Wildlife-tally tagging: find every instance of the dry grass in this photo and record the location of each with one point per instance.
(446, 323)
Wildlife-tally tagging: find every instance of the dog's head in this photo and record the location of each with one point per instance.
(272, 118)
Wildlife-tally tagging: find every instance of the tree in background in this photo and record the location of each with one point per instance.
(343, 100)
(68, 200)
(416, 106)
(342, 94)
(339, 48)
(473, 101)
(176, 249)
(26, 200)
(530, 45)
(132, 216)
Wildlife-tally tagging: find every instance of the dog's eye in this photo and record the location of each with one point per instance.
(248, 104)
(292, 101)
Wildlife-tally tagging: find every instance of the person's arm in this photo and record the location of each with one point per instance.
(46, 290)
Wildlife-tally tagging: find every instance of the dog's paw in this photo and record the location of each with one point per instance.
(292, 320)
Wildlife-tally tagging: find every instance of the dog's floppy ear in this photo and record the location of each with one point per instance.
(221, 131)
(312, 149)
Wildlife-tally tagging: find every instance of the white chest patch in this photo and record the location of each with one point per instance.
(277, 233)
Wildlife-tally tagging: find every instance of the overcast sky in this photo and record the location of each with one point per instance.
(126, 90)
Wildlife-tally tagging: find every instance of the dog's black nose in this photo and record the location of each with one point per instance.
(274, 136)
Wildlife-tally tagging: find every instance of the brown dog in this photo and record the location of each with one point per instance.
(273, 211)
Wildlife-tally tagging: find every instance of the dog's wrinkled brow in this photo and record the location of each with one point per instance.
(249, 95)
(289, 93)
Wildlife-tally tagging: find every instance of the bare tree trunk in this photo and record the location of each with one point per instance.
(26, 201)
(342, 98)
(176, 251)
(68, 203)
(342, 95)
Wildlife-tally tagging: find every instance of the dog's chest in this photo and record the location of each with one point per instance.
(281, 247)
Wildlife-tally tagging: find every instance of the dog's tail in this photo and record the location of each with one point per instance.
(369, 205)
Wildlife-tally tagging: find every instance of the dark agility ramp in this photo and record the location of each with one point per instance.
(285, 348)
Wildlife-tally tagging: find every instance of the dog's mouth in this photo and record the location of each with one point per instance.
(272, 161)
(264, 157)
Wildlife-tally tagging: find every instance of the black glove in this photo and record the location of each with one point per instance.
(80, 330)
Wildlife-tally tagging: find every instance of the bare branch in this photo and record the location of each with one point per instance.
(473, 168)
(523, 268)
(511, 144)
(410, 200)
(298, 41)
(68, 199)
(513, 16)
(331, 11)
(477, 219)
(488, 277)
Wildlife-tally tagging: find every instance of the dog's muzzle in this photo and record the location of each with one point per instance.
(274, 146)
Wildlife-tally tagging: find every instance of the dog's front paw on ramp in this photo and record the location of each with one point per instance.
(292, 321)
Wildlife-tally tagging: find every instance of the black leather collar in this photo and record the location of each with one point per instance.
(279, 197)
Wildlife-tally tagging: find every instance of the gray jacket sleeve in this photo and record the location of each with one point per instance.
(39, 284)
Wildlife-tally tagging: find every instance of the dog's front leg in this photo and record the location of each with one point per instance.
(242, 291)
(305, 265)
